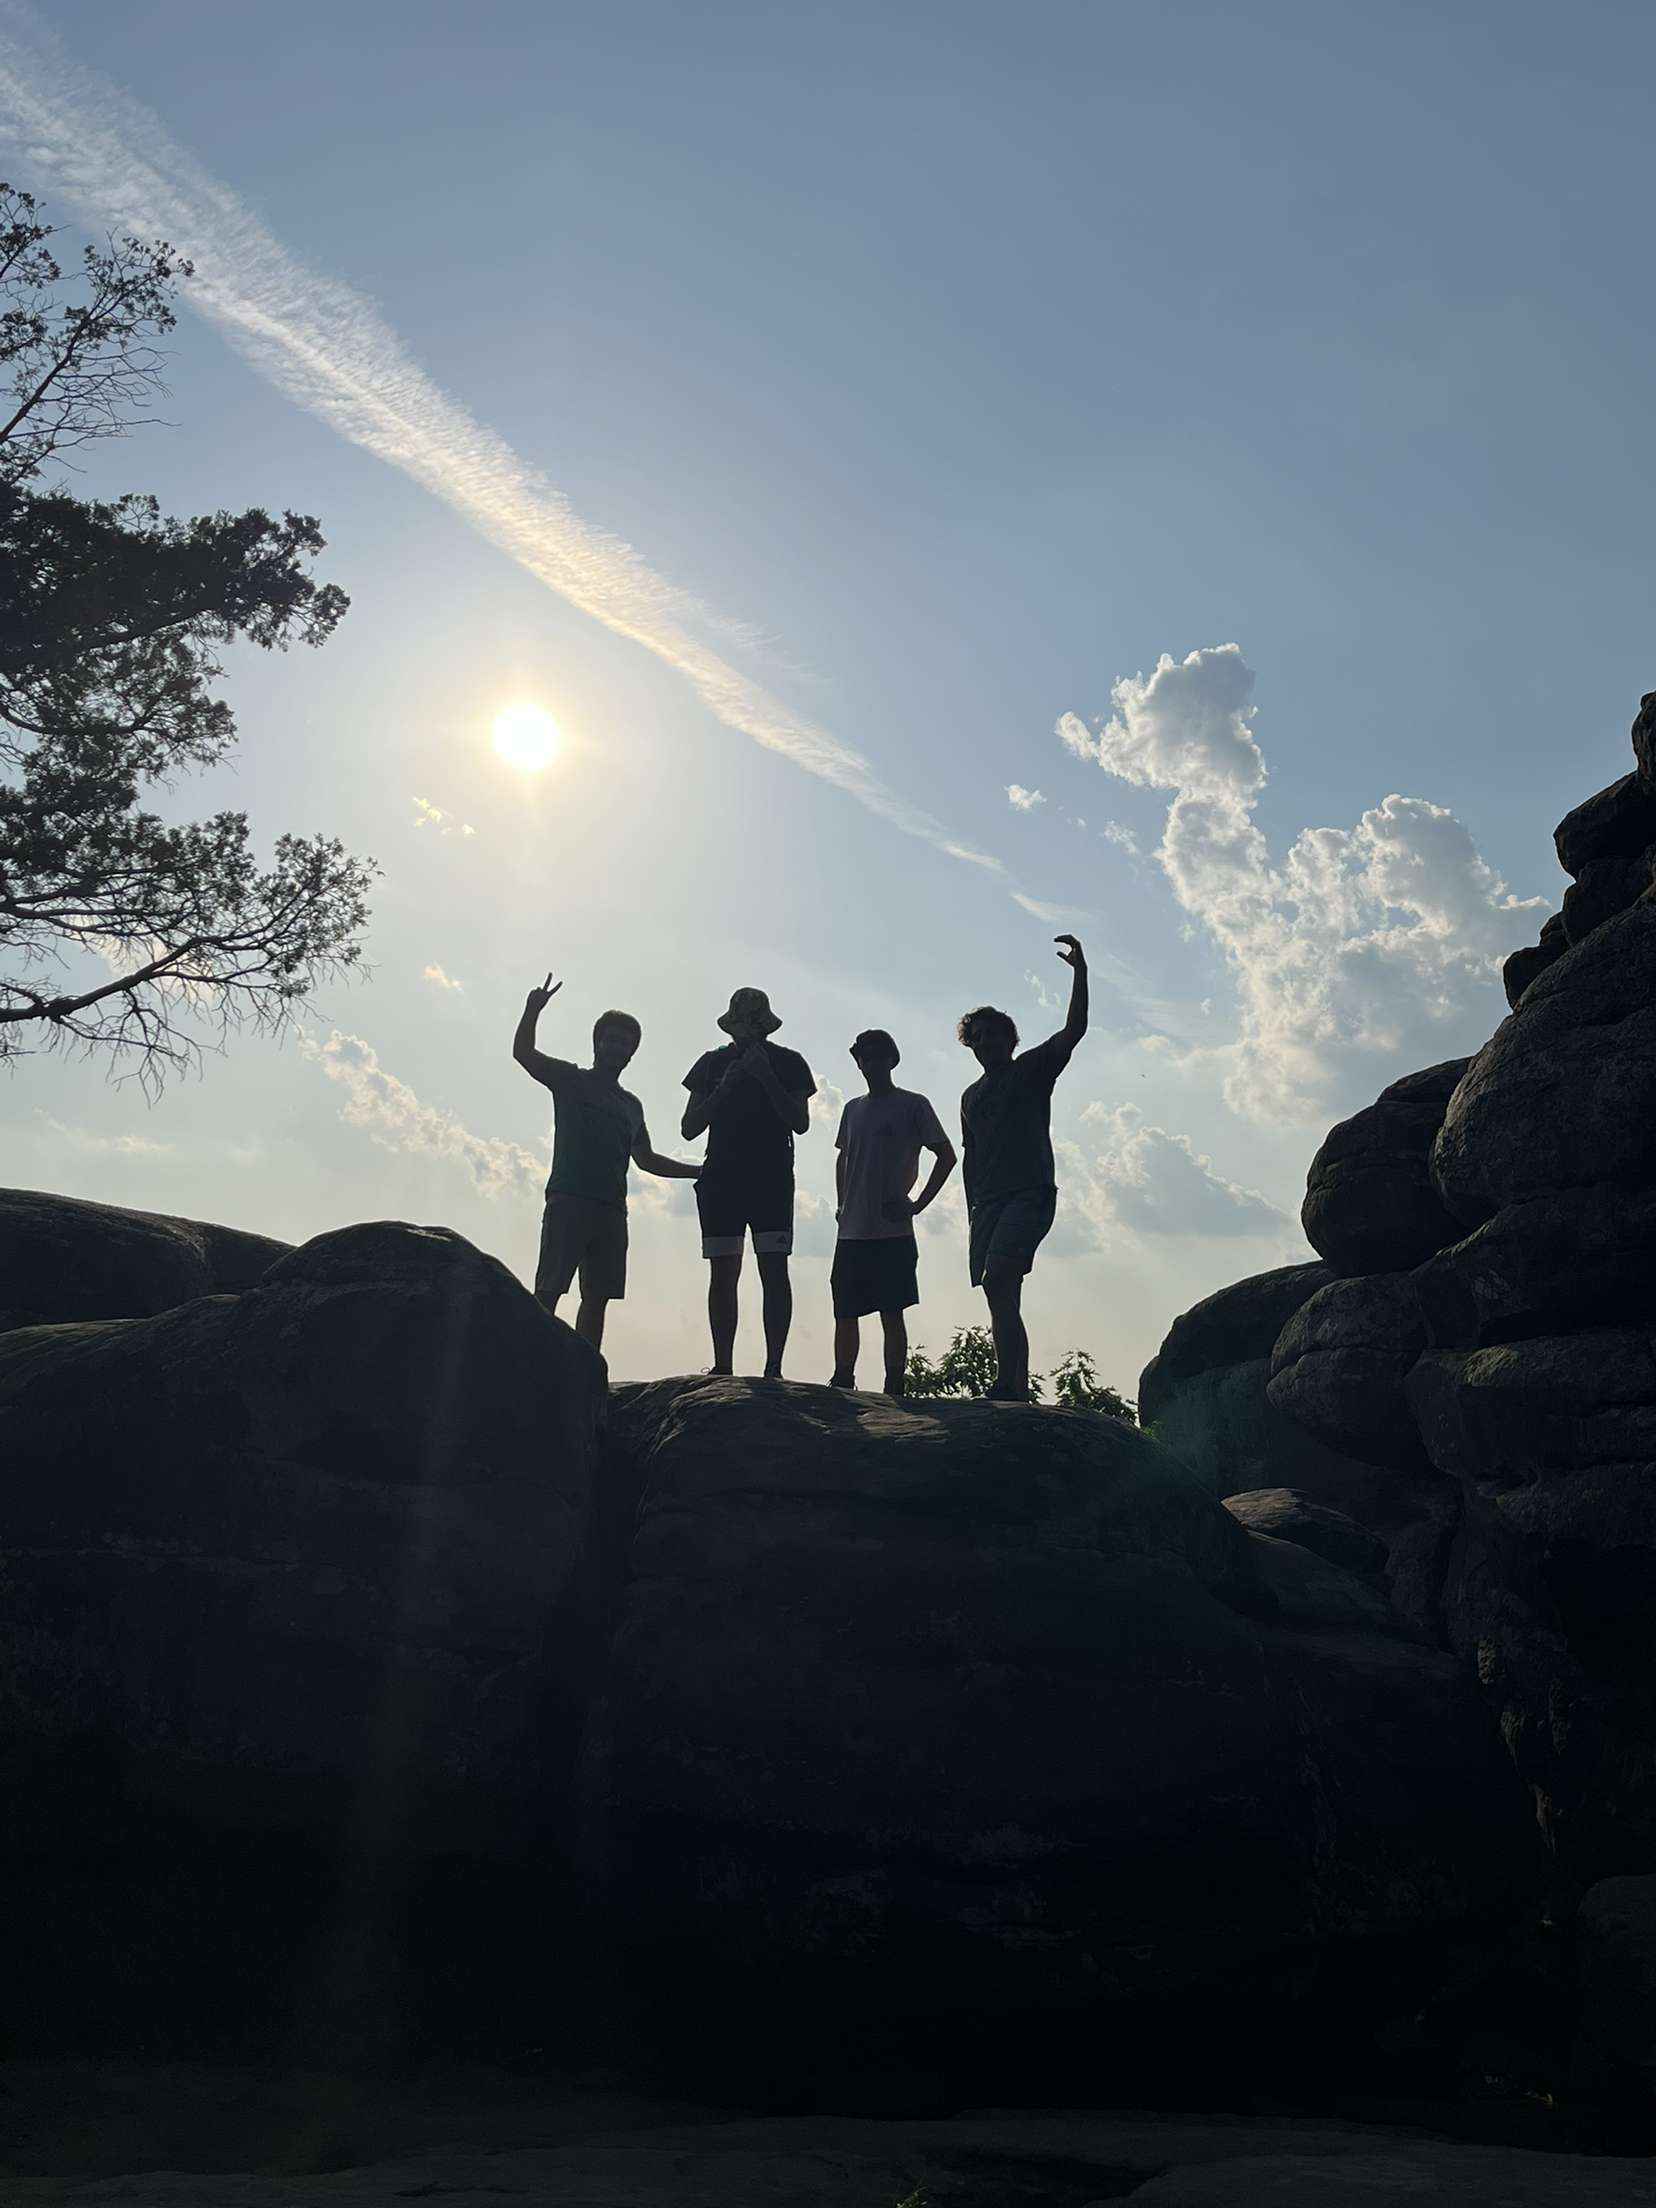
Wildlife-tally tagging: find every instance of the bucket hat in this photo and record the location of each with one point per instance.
(749, 1004)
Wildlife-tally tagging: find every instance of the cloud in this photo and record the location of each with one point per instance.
(1367, 952)
(89, 1143)
(1123, 838)
(827, 1104)
(389, 1112)
(1055, 915)
(329, 350)
(1154, 1183)
(1022, 800)
(427, 815)
(1048, 999)
(439, 980)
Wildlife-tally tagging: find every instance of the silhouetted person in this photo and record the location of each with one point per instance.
(876, 1260)
(753, 1097)
(1011, 1183)
(598, 1126)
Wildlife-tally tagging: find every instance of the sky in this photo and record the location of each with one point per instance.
(952, 474)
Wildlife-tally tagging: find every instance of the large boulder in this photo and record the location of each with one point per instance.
(1614, 823)
(1553, 1442)
(1283, 1514)
(62, 1258)
(1582, 1258)
(1616, 1966)
(946, 1727)
(1370, 1206)
(296, 1581)
(1560, 1097)
(1203, 1395)
(1644, 740)
(1527, 965)
(1339, 1365)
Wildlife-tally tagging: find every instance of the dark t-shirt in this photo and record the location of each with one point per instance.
(596, 1125)
(1006, 1125)
(746, 1133)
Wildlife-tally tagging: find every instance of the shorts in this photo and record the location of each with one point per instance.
(1008, 1230)
(731, 1205)
(579, 1234)
(880, 1274)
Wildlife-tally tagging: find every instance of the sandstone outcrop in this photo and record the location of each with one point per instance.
(310, 1563)
(1370, 1206)
(1580, 1258)
(65, 1259)
(1523, 967)
(1286, 1515)
(932, 1712)
(1616, 1969)
(1339, 1365)
(1204, 1396)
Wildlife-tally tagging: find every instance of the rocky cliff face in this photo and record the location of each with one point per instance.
(1496, 1357)
(365, 1667)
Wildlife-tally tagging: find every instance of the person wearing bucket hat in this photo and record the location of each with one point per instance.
(752, 1097)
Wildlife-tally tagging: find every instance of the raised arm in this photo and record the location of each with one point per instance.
(1075, 958)
(534, 1063)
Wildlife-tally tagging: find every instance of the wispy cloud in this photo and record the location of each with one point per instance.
(1022, 800)
(330, 350)
(439, 980)
(427, 815)
(89, 1142)
(388, 1111)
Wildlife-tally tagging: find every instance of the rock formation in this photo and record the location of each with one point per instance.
(1370, 1204)
(61, 1258)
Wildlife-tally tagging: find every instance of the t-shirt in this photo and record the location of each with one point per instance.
(882, 1137)
(1006, 1125)
(746, 1132)
(596, 1125)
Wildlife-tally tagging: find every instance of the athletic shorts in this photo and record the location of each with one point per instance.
(731, 1206)
(1008, 1230)
(879, 1274)
(580, 1235)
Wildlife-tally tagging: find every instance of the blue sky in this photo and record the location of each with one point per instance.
(960, 367)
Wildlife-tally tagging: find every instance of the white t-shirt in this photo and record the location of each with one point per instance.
(882, 1137)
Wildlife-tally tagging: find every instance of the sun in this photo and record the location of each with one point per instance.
(526, 736)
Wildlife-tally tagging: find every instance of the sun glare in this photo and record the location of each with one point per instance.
(527, 736)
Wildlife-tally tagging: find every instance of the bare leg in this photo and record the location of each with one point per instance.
(896, 1350)
(722, 1276)
(773, 1278)
(1004, 1293)
(589, 1319)
(847, 1342)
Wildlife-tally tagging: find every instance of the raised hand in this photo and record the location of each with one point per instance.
(1075, 955)
(538, 999)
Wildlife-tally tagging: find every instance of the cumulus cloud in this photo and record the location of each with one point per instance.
(390, 1114)
(1022, 800)
(439, 980)
(1366, 952)
(1149, 1181)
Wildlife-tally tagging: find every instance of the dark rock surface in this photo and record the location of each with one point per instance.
(308, 1565)
(1287, 1515)
(1525, 966)
(1560, 1097)
(64, 1259)
(1339, 1366)
(1614, 823)
(1370, 1206)
(476, 2139)
(1644, 740)
(934, 1715)
(1581, 1258)
(1204, 1395)
(1616, 1966)
(1603, 889)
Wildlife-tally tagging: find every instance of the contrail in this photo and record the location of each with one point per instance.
(331, 351)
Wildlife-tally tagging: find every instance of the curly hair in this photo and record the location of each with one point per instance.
(974, 1023)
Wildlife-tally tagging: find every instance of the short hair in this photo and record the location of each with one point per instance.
(876, 1038)
(974, 1024)
(617, 1019)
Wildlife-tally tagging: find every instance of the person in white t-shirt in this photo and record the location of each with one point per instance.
(876, 1260)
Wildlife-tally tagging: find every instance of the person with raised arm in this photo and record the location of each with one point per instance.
(598, 1127)
(753, 1098)
(1011, 1181)
(876, 1260)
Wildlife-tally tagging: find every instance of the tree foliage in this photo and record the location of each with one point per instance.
(121, 931)
(967, 1368)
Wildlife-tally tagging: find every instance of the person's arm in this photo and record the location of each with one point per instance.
(944, 1162)
(839, 1182)
(535, 1063)
(1075, 958)
(649, 1160)
(792, 1107)
(704, 1095)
